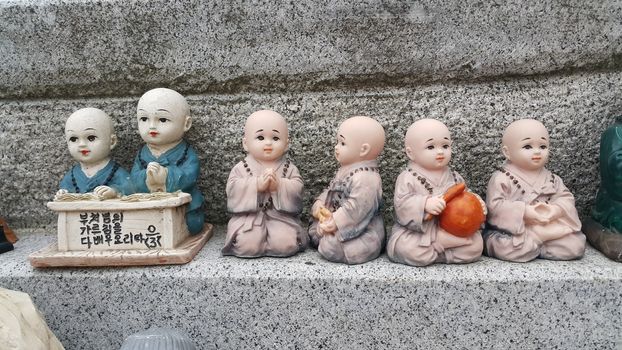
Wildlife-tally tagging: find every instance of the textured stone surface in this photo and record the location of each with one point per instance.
(95, 48)
(306, 302)
(576, 109)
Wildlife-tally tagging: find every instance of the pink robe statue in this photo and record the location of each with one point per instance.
(354, 197)
(418, 242)
(508, 237)
(264, 224)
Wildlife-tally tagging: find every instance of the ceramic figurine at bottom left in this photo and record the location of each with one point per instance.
(90, 138)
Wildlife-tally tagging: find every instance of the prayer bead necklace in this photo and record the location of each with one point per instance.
(115, 167)
(425, 182)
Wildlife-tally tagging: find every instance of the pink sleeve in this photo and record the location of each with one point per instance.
(503, 212)
(241, 191)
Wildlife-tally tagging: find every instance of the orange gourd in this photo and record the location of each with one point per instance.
(463, 215)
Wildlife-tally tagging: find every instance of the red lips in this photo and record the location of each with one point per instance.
(153, 133)
(85, 152)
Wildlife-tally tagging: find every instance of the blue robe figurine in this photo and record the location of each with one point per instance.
(182, 163)
(112, 175)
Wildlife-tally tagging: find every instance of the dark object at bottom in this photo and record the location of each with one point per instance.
(5, 245)
(607, 242)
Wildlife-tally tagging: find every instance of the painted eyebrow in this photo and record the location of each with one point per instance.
(342, 136)
(526, 138)
(89, 129)
(429, 140)
(69, 130)
(162, 110)
(260, 130)
(276, 131)
(446, 138)
(544, 138)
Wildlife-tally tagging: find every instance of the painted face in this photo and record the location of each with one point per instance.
(430, 146)
(528, 147)
(89, 138)
(161, 117)
(348, 147)
(266, 136)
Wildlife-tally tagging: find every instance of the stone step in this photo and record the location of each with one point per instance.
(305, 302)
(575, 108)
(122, 48)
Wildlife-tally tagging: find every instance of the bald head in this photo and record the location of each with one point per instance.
(423, 128)
(522, 129)
(363, 131)
(265, 119)
(89, 118)
(164, 99)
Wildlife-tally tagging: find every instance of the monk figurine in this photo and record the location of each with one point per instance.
(167, 163)
(90, 138)
(264, 193)
(604, 228)
(531, 214)
(417, 238)
(347, 225)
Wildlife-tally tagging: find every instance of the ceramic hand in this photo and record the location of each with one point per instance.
(156, 177)
(274, 181)
(435, 205)
(328, 227)
(105, 192)
(61, 192)
(553, 212)
(483, 204)
(532, 216)
(263, 182)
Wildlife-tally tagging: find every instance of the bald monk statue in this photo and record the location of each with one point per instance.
(604, 228)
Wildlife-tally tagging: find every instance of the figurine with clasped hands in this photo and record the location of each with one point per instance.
(264, 193)
(531, 214)
(347, 226)
(90, 138)
(429, 188)
(167, 163)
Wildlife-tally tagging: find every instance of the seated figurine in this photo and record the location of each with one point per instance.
(348, 226)
(264, 193)
(531, 214)
(604, 228)
(90, 138)
(416, 239)
(167, 163)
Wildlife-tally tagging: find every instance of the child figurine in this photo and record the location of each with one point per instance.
(531, 212)
(167, 163)
(90, 138)
(417, 238)
(264, 193)
(348, 226)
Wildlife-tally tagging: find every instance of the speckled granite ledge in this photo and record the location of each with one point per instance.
(307, 303)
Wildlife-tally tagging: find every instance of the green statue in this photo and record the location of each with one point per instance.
(604, 229)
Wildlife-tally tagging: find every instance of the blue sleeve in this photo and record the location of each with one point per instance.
(121, 182)
(183, 177)
(138, 177)
(66, 184)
